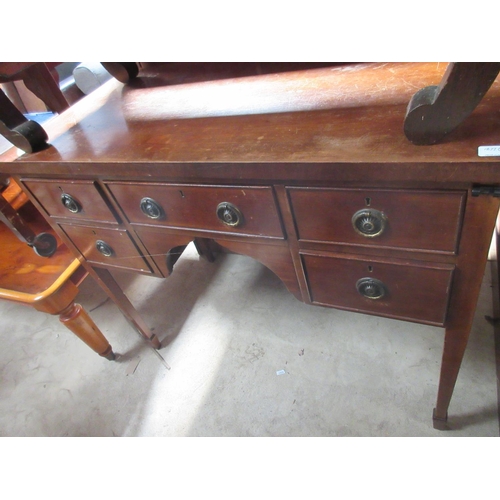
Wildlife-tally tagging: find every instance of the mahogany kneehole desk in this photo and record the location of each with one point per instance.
(333, 199)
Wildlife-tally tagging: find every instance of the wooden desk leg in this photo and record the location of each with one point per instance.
(113, 290)
(477, 231)
(497, 251)
(75, 318)
(455, 342)
(205, 248)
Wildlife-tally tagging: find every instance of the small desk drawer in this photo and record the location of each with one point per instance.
(402, 290)
(414, 220)
(112, 247)
(246, 210)
(71, 199)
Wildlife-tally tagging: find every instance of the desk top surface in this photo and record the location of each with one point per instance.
(345, 113)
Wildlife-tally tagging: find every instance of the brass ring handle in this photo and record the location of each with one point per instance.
(369, 223)
(152, 208)
(371, 288)
(104, 248)
(71, 203)
(229, 214)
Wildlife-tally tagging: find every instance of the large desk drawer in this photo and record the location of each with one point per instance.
(398, 289)
(71, 199)
(111, 247)
(253, 210)
(414, 220)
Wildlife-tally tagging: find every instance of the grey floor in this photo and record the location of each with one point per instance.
(241, 357)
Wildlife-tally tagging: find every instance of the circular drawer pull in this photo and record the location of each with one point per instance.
(151, 208)
(369, 223)
(229, 214)
(104, 248)
(371, 288)
(70, 203)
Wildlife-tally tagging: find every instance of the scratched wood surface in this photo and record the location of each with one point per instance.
(343, 113)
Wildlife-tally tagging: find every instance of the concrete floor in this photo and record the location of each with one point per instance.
(229, 328)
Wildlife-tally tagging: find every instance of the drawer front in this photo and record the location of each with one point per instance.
(415, 220)
(404, 290)
(246, 210)
(77, 200)
(112, 247)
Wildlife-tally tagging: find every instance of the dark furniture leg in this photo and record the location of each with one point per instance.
(26, 134)
(435, 111)
(40, 81)
(22, 133)
(205, 247)
(478, 227)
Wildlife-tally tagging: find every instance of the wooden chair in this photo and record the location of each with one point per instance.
(48, 284)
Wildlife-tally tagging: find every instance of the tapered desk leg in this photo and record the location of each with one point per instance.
(497, 254)
(113, 290)
(205, 247)
(75, 318)
(455, 342)
(477, 232)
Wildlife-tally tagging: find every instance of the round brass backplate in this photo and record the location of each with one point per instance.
(369, 223)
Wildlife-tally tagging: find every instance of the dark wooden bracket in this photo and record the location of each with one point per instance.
(435, 111)
(27, 135)
(23, 133)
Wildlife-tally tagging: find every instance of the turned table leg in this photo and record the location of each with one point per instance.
(75, 318)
